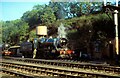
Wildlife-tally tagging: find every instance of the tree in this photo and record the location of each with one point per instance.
(88, 29)
(63, 10)
(31, 17)
(40, 14)
(59, 9)
(32, 35)
(48, 16)
(14, 32)
(0, 32)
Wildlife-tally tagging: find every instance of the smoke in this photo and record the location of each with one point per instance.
(62, 31)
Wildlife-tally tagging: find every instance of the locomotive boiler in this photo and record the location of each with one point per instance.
(46, 47)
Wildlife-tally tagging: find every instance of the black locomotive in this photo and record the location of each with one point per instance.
(46, 48)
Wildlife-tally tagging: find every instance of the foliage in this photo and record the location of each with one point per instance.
(1, 32)
(47, 14)
(14, 32)
(64, 10)
(40, 14)
(32, 35)
(31, 17)
(87, 29)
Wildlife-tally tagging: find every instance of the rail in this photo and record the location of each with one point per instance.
(54, 70)
(72, 64)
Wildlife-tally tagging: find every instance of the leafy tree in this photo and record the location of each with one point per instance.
(48, 16)
(40, 14)
(31, 17)
(6, 30)
(14, 31)
(32, 35)
(59, 9)
(87, 29)
(0, 32)
(64, 10)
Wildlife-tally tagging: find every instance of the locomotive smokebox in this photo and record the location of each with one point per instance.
(41, 30)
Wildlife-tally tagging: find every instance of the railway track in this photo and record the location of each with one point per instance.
(72, 64)
(35, 70)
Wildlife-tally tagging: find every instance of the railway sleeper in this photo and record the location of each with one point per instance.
(59, 70)
(31, 72)
(46, 62)
(31, 69)
(59, 73)
(8, 66)
(18, 73)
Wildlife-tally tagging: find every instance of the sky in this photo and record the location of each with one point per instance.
(14, 9)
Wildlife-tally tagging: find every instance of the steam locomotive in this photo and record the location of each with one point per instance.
(46, 48)
(8, 50)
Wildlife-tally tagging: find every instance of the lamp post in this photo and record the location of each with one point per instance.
(116, 32)
(116, 29)
(115, 8)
